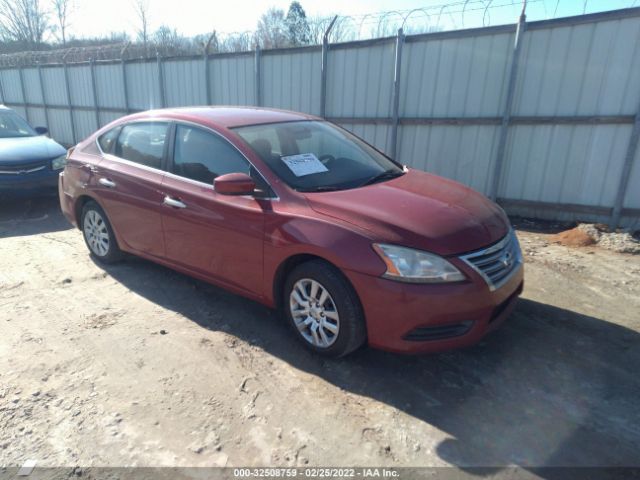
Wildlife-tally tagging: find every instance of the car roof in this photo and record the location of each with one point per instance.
(226, 117)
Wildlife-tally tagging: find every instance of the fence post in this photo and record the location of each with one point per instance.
(207, 79)
(258, 80)
(2, 99)
(68, 88)
(24, 96)
(125, 87)
(95, 92)
(325, 59)
(207, 73)
(44, 99)
(632, 148)
(163, 100)
(506, 115)
(396, 95)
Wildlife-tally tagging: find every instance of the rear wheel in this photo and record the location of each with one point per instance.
(323, 309)
(98, 234)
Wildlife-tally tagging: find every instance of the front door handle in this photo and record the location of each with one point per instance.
(172, 202)
(107, 183)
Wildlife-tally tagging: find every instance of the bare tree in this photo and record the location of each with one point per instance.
(272, 31)
(23, 21)
(142, 12)
(62, 10)
(170, 42)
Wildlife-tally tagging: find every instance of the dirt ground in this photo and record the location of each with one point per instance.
(136, 365)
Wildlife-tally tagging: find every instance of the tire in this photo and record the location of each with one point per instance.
(338, 322)
(98, 234)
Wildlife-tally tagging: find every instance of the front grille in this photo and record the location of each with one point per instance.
(23, 168)
(496, 263)
(438, 332)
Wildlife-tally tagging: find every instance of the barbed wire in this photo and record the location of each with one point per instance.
(455, 15)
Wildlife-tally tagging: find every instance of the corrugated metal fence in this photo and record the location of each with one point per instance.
(544, 116)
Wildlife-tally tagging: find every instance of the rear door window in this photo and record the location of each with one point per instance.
(143, 143)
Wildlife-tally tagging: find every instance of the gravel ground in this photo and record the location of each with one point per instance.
(136, 365)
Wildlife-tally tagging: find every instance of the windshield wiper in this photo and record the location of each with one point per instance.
(386, 175)
(321, 188)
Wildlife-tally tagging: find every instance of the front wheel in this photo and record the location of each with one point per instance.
(323, 309)
(98, 234)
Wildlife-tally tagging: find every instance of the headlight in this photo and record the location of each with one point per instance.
(409, 265)
(59, 162)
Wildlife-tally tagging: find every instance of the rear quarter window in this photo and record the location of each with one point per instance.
(107, 140)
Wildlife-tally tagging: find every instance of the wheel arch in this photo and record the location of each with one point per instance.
(291, 262)
(79, 204)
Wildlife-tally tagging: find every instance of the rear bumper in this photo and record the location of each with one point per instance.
(411, 318)
(66, 202)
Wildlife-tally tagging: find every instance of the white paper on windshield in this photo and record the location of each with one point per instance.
(304, 164)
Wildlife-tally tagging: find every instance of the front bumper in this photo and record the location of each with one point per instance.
(45, 181)
(419, 318)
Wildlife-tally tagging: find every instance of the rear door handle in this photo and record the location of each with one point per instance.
(172, 202)
(107, 183)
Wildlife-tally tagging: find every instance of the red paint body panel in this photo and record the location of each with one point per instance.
(419, 210)
(219, 236)
(240, 242)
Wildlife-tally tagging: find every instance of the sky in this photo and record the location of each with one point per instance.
(92, 18)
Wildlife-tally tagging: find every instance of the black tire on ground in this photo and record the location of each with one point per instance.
(113, 252)
(352, 332)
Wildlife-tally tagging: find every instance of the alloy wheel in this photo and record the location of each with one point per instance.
(96, 233)
(314, 313)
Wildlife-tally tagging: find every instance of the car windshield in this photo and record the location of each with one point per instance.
(11, 125)
(314, 156)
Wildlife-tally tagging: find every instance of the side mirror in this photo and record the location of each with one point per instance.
(234, 184)
(42, 130)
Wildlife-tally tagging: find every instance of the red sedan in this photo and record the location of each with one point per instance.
(300, 215)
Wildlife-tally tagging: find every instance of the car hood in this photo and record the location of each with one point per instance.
(418, 210)
(25, 149)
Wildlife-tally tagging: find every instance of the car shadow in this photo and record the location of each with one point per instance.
(22, 215)
(551, 387)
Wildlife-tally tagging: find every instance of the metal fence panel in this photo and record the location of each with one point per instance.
(85, 123)
(232, 80)
(60, 126)
(80, 86)
(461, 153)
(54, 85)
(632, 198)
(573, 164)
(32, 90)
(143, 85)
(360, 81)
(11, 86)
(184, 82)
(590, 69)
(36, 115)
(376, 135)
(110, 86)
(292, 81)
(455, 77)
(108, 117)
(575, 92)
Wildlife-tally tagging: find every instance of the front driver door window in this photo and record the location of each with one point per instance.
(203, 156)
